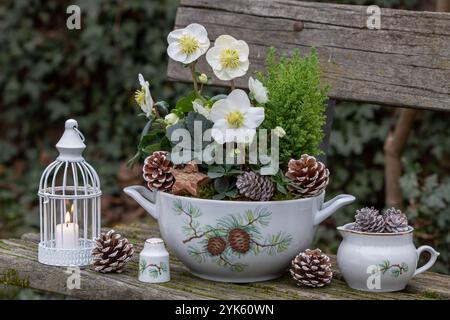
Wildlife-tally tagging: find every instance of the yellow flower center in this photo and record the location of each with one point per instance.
(229, 58)
(235, 119)
(189, 44)
(139, 96)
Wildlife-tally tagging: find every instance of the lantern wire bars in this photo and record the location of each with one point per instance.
(69, 204)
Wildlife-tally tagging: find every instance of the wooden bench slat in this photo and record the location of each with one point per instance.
(20, 256)
(405, 64)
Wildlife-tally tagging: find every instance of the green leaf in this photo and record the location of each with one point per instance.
(146, 128)
(185, 104)
(163, 108)
(152, 148)
(216, 172)
(169, 130)
(222, 184)
(219, 196)
(281, 188)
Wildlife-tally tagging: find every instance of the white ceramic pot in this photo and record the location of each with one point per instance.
(381, 262)
(236, 241)
(154, 262)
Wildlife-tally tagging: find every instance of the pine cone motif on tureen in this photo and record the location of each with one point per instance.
(255, 186)
(239, 240)
(111, 252)
(216, 245)
(312, 268)
(310, 176)
(369, 220)
(156, 171)
(395, 221)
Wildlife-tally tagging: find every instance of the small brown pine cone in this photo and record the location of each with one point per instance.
(216, 245)
(255, 186)
(111, 252)
(395, 221)
(369, 220)
(312, 268)
(310, 176)
(156, 171)
(239, 240)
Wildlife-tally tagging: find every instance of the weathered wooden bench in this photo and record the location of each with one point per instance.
(404, 64)
(19, 266)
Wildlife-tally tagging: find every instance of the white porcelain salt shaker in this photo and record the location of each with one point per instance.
(154, 262)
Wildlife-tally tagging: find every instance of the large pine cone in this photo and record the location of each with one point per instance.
(216, 245)
(239, 240)
(312, 268)
(368, 220)
(309, 175)
(156, 171)
(111, 252)
(395, 221)
(255, 186)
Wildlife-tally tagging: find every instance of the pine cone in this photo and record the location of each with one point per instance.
(395, 221)
(255, 186)
(216, 245)
(369, 220)
(157, 171)
(312, 268)
(309, 175)
(239, 240)
(111, 252)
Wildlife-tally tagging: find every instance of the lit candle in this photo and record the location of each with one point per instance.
(67, 234)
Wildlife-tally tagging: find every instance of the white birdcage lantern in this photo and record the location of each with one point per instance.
(69, 204)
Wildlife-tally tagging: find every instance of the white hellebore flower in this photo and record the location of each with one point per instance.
(200, 108)
(235, 119)
(279, 132)
(171, 119)
(143, 97)
(258, 91)
(188, 44)
(228, 58)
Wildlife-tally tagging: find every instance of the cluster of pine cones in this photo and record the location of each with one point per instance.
(309, 177)
(238, 239)
(370, 220)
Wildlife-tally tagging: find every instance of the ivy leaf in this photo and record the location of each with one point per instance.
(215, 172)
(169, 131)
(221, 184)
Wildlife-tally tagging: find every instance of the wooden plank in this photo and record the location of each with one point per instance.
(405, 64)
(19, 257)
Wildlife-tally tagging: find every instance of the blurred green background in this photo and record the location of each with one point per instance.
(49, 73)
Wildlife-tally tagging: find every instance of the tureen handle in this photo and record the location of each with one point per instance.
(144, 197)
(433, 256)
(331, 206)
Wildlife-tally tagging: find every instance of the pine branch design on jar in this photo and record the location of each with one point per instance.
(396, 269)
(154, 270)
(231, 237)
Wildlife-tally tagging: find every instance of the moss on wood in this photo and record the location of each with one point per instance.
(12, 277)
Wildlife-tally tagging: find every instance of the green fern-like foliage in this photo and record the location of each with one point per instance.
(297, 102)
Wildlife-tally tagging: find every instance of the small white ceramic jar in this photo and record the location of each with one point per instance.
(380, 262)
(154, 262)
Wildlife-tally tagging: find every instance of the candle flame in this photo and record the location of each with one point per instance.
(67, 217)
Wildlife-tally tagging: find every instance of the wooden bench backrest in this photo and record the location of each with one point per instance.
(405, 64)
